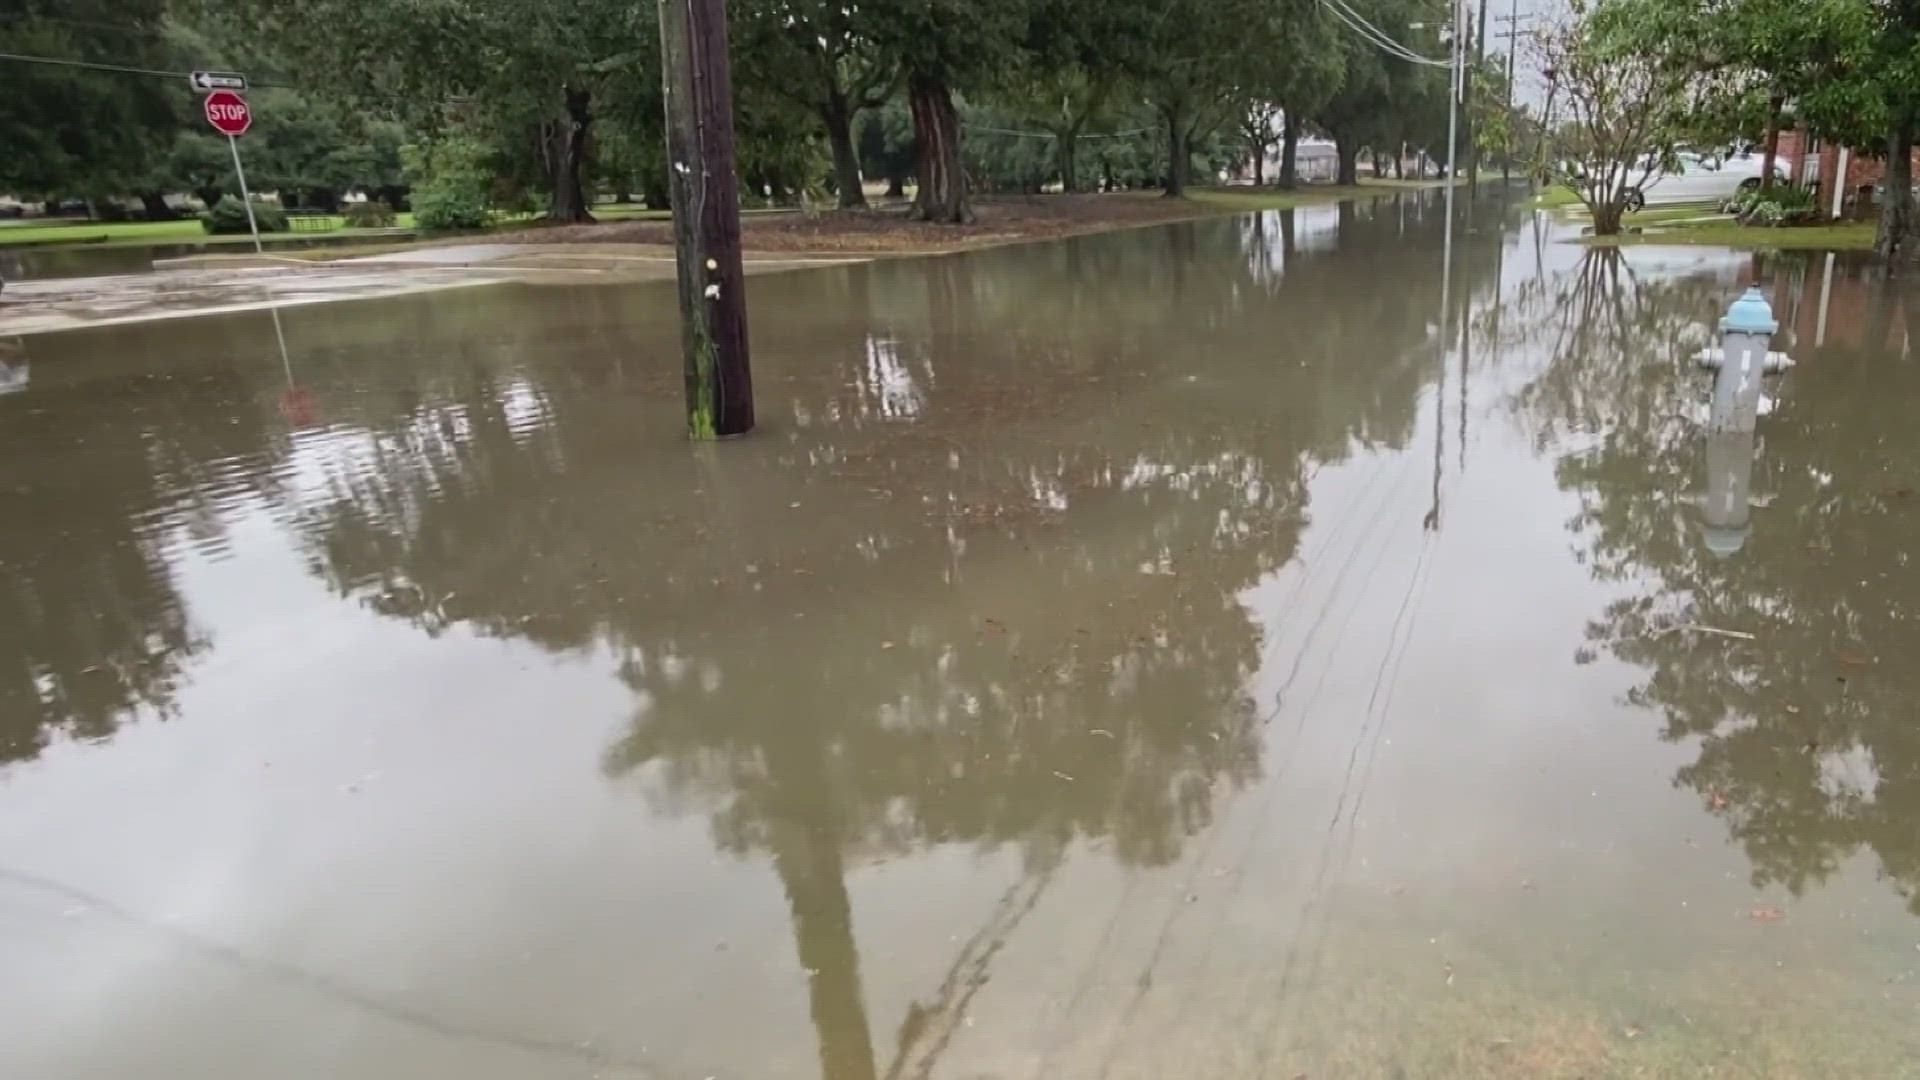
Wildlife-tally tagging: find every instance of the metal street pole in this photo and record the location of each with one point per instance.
(246, 199)
(706, 217)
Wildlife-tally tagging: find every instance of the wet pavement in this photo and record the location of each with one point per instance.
(228, 283)
(1198, 651)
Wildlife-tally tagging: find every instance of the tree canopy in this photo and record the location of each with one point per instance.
(564, 102)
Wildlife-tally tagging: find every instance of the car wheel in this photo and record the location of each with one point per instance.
(1751, 183)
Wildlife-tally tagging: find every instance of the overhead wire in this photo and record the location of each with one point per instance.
(1378, 37)
(1129, 133)
(118, 69)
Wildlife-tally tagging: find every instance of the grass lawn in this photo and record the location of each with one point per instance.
(1272, 198)
(1675, 215)
(135, 233)
(1844, 236)
(1556, 197)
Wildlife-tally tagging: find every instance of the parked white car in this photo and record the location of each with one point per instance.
(1708, 178)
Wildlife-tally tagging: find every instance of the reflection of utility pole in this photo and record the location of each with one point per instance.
(806, 840)
(706, 216)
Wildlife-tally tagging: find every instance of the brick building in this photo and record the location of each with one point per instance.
(1811, 161)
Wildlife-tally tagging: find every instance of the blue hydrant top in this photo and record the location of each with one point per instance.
(1750, 315)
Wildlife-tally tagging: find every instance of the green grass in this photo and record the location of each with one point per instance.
(1556, 197)
(139, 233)
(188, 231)
(1675, 215)
(1269, 198)
(1845, 236)
(628, 212)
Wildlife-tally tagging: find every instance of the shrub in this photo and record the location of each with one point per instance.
(372, 214)
(229, 216)
(1792, 199)
(439, 206)
(451, 180)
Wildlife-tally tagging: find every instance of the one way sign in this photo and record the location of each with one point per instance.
(208, 81)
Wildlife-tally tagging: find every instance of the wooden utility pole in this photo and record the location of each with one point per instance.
(1473, 138)
(1513, 19)
(706, 217)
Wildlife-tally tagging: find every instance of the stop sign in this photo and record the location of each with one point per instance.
(228, 113)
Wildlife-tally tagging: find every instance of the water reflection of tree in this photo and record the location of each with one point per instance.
(105, 469)
(1806, 745)
(982, 589)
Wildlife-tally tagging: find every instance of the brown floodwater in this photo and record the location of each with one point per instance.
(1218, 650)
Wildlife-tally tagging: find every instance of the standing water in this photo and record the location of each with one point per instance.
(1184, 652)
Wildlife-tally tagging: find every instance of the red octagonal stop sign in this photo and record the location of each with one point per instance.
(228, 112)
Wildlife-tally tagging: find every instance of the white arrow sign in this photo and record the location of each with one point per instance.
(208, 81)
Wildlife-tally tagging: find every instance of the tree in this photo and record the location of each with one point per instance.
(69, 131)
(938, 46)
(1194, 62)
(1628, 110)
(1313, 70)
(534, 75)
(819, 53)
(1256, 131)
(1381, 98)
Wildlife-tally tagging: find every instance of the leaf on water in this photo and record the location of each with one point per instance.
(1716, 800)
(1766, 914)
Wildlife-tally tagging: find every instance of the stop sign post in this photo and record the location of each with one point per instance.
(227, 111)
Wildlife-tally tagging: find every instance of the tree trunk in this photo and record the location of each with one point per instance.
(654, 190)
(1774, 105)
(1894, 242)
(838, 118)
(209, 196)
(1259, 166)
(567, 158)
(1179, 154)
(936, 131)
(1290, 153)
(896, 185)
(1069, 167)
(623, 194)
(1349, 161)
(154, 204)
(1606, 217)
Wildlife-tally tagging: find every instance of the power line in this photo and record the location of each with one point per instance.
(91, 66)
(1378, 37)
(1129, 133)
(118, 69)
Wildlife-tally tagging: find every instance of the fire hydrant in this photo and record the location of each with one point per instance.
(1745, 335)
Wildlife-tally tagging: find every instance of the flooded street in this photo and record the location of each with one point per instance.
(1220, 650)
